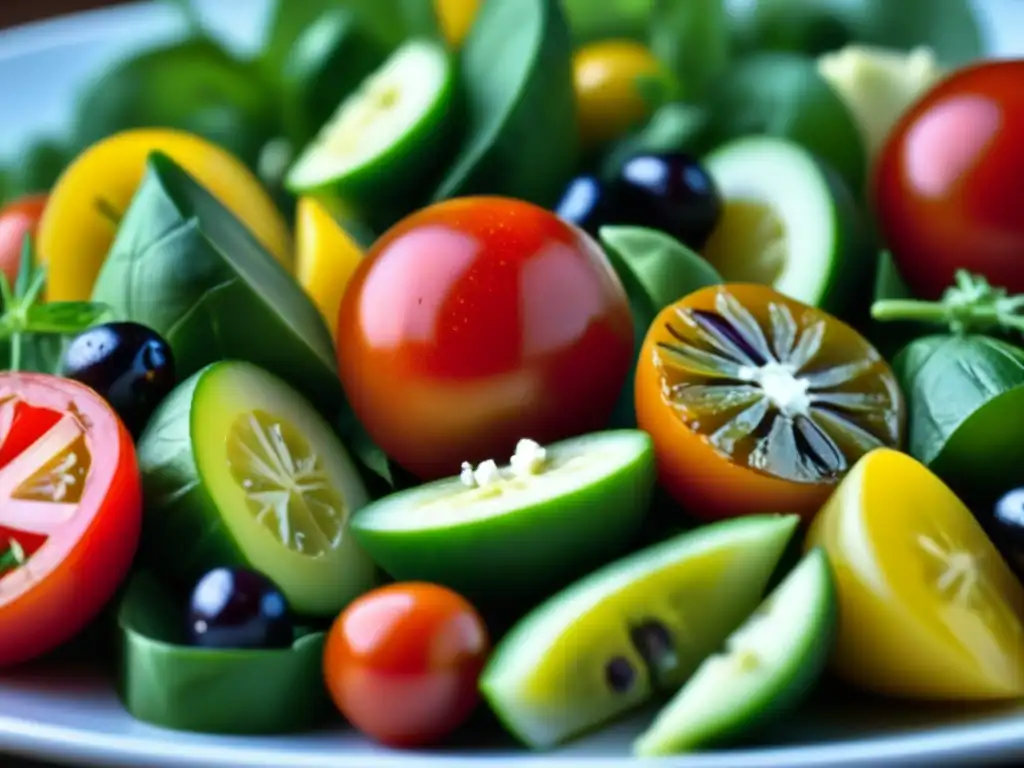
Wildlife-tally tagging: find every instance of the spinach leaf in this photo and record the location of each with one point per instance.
(591, 20)
(520, 105)
(195, 86)
(949, 27)
(965, 402)
(183, 265)
(783, 95)
(691, 39)
(167, 683)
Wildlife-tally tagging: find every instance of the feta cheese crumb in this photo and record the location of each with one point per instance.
(466, 476)
(487, 474)
(529, 458)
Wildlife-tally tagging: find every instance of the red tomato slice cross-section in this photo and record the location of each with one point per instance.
(70, 510)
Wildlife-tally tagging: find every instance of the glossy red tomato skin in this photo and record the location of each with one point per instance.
(949, 185)
(18, 218)
(477, 322)
(77, 570)
(402, 662)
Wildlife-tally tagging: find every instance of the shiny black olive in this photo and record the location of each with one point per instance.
(1007, 527)
(587, 204)
(238, 608)
(130, 365)
(670, 192)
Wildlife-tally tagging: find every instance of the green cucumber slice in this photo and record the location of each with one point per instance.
(383, 138)
(524, 535)
(789, 222)
(630, 630)
(768, 666)
(238, 469)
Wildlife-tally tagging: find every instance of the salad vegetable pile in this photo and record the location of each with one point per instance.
(562, 356)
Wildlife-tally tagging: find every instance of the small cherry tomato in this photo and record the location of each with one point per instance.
(609, 98)
(757, 403)
(17, 219)
(401, 663)
(949, 185)
(477, 322)
(70, 511)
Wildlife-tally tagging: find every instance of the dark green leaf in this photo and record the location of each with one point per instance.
(691, 39)
(173, 685)
(949, 27)
(965, 402)
(591, 20)
(38, 167)
(656, 91)
(40, 353)
(783, 95)
(194, 86)
(673, 128)
(889, 338)
(329, 60)
(520, 105)
(67, 317)
(183, 265)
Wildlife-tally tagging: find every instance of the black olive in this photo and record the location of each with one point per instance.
(1007, 527)
(238, 608)
(670, 192)
(619, 674)
(587, 204)
(128, 364)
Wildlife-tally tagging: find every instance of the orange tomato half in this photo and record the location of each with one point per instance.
(757, 403)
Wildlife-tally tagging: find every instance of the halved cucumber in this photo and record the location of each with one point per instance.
(768, 665)
(524, 534)
(789, 222)
(383, 139)
(634, 628)
(238, 469)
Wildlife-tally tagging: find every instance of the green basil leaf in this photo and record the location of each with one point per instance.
(185, 266)
(965, 401)
(691, 39)
(591, 20)
(520, 105)
(674, 127)
(167, 683)
(784, 95)
(329, 60)
(195, 86)
(67, 317)
(813, 27)
(656, 271)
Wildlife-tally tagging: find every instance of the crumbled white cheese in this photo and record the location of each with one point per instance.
(487, 474)
(466, 476)
(529, 458)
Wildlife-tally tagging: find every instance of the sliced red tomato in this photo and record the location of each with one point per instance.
(70, 511)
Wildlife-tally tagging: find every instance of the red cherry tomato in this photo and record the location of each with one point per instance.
(476, 322)
(70, 511)
(402, 663)
(949, 186)
(17, 219)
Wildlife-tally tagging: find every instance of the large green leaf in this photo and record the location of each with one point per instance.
(520, 105)
(691, 39)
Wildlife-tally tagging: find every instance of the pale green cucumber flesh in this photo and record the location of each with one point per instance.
(768, 665)
(526, 535)
(391, 117)
(781, 225)
(655, 614)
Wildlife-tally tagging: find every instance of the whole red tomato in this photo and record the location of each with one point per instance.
(17, 219)
(70, 511)
(401, 663)
(949, 186)
(476, 322)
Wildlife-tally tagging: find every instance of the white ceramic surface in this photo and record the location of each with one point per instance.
(72, 716)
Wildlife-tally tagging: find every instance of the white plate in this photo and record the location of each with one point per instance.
(71, 716)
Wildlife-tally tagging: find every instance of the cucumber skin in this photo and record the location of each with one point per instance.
(517, 556)
(183, 534)
(769, 705)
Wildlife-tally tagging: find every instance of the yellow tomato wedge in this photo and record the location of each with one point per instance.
(326, 256)
(456, 18)
(80, 219)
(928, 609)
